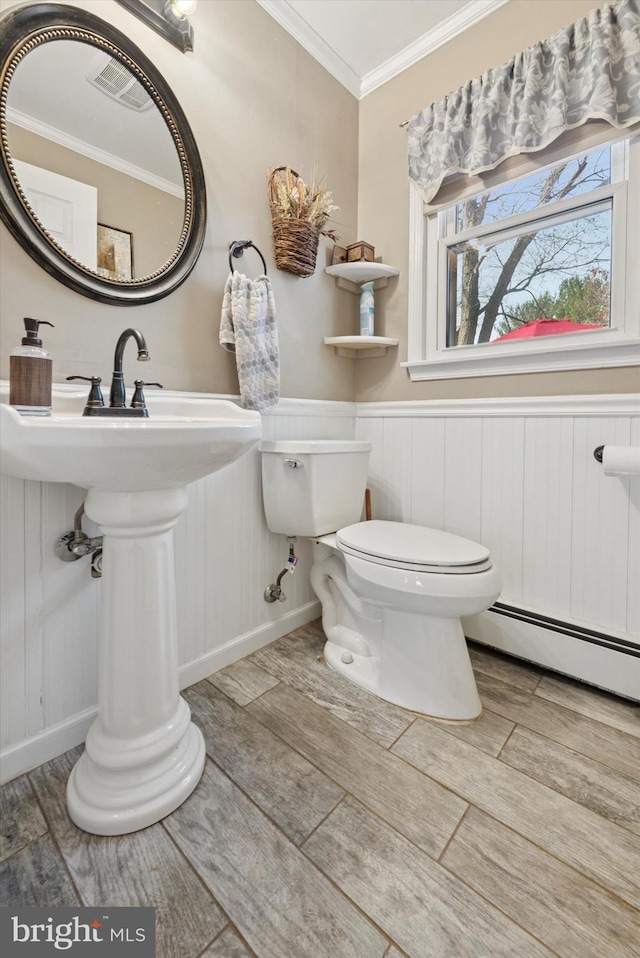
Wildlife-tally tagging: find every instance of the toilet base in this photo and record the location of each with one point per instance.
(401, 639)
(429, 671)
(361, 669)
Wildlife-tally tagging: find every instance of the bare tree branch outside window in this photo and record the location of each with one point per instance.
(557, 271)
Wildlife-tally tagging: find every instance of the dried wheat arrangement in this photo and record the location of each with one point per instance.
(299, 215)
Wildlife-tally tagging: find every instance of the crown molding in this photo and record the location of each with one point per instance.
(52, 133)
(293, 23)
(428, 42)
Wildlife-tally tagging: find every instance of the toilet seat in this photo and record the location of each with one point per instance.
(416, 548)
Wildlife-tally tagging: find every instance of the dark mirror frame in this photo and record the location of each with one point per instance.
(22, 30)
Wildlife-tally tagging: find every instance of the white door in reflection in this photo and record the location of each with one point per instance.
(67, 209)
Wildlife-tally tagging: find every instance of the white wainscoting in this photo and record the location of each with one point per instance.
(519, 476)
(225, 558)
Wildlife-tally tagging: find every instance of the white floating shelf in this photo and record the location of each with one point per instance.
(360, 347)
(350, 276)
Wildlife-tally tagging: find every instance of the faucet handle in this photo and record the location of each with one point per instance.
(137, 401)
(95, 399)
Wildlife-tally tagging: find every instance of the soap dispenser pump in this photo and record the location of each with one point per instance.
(30, 369)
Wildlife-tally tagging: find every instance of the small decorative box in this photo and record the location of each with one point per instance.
(360, 253)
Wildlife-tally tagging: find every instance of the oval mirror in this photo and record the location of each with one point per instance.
(101, 178)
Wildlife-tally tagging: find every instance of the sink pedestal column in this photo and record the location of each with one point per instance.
(143, 755)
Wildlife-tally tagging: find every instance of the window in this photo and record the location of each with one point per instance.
(529, 271)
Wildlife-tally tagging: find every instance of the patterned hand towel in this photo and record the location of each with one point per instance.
(248, 328)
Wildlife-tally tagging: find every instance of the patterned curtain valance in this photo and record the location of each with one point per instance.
(590, 70)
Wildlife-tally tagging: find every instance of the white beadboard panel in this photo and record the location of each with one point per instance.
(463, 477)
(214, 527)
(68, 612)
(13, 665)
(371, 430)
(193, 537)
(633, 570)
(519, 476)
(396, 468)
(427, 472)
(311, 427)
(259, 559)
(600, 527)
(226, 557)
(309, 419)
(33, 587)
(308, 409)
(502, 505)
(222, 574)
(547, 521)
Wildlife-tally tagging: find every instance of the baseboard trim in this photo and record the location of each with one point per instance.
(245, 644)
(46, 745)
(609, 665)
(27, 755)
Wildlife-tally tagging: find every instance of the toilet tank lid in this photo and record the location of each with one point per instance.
(313, 446)
(406, 543)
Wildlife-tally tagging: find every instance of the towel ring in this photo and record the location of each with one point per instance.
(236, 249)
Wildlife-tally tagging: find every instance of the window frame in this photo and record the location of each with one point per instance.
(428, 356)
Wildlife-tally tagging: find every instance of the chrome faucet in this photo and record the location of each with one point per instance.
(117, 396)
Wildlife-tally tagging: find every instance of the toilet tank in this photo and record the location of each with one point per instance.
(315, 486)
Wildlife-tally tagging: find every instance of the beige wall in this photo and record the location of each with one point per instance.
(153, 217)
(383, 200)
(254, 99)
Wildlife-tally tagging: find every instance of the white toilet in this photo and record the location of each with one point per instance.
(392, 594)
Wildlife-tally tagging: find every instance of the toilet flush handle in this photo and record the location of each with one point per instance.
(294, 463)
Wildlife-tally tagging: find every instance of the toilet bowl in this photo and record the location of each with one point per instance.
(392, 593)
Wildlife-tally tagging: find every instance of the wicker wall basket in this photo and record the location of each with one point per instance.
(295, 241)
(296, 246)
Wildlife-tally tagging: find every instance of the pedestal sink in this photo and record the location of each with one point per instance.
(143, 755)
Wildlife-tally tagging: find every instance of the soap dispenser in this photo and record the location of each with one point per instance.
(30, 373)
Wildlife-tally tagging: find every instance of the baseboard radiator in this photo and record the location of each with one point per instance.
(602, 659)
(625, 646)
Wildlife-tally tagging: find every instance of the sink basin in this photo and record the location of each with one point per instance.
(143, 755)
(184, 439)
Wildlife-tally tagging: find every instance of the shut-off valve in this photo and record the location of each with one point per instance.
(274, 593)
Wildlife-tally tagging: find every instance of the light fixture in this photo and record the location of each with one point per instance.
(169, 18)
(180, 8)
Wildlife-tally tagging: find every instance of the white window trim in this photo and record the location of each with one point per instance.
(619, 345)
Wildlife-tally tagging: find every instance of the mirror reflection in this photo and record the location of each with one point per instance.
(96, 160)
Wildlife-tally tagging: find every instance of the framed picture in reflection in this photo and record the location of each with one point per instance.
(115, 253)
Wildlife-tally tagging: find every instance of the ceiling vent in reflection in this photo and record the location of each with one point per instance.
(113, 79)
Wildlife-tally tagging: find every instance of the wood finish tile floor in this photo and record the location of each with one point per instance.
(329, 824)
